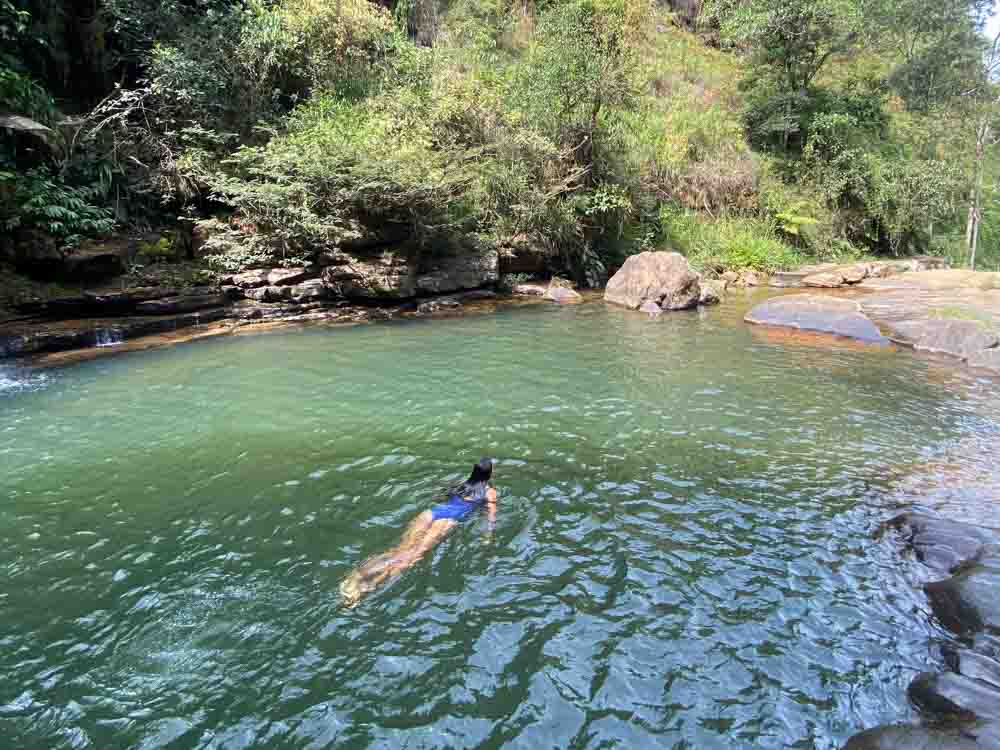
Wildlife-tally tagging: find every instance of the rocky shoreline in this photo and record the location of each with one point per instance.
(961, 706)
(949, 312)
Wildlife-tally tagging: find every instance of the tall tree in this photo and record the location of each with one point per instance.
(790, 42)
(983, 104)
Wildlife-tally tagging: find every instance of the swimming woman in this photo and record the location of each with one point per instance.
(424, 532)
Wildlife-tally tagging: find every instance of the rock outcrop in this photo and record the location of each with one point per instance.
(807, 312)
(964, 339)
(664, 278)
(397, 276)
(195, 299)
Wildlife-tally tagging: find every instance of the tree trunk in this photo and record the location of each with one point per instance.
(975, 201)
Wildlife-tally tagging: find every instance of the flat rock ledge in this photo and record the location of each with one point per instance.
(822, 314)
(962, 704)
(949, 312)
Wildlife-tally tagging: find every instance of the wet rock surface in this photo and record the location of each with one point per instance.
(650, 308)
(974, 665)
(950, 695)
(964, 702)
(940, 543)
(984, 736)
(660, 277)
(712, 292)
(807, 312)
(969, 601)
(948, 312)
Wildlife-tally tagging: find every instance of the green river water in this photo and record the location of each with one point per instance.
(684, 555)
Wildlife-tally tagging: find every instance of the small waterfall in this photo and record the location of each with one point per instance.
(15, 379)
(109, 337)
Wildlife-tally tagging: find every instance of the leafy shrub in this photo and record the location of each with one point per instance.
(42, 200)
(725, 244)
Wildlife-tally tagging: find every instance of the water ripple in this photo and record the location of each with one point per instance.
(683, 557)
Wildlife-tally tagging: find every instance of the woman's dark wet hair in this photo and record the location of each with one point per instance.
(474, 488)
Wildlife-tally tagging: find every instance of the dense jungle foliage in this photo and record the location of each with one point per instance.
(745, 133)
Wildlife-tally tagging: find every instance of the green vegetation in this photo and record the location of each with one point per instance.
(775, 133)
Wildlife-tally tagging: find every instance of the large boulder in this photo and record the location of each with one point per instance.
(947, 695)
(969, 601)
(940, 543)
(660, 277)
(808, 312)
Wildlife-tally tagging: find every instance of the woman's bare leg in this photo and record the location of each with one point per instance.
(420, 536)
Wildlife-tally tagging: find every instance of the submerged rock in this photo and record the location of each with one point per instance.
(661, 277)
(651, 308)
(808, 312)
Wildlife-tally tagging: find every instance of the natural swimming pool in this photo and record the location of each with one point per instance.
(683, 556)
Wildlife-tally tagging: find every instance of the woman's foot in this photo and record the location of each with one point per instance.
(350, 591)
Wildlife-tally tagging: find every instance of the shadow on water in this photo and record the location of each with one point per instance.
(683, 556)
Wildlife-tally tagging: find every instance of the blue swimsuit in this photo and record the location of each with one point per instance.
(456, 509)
